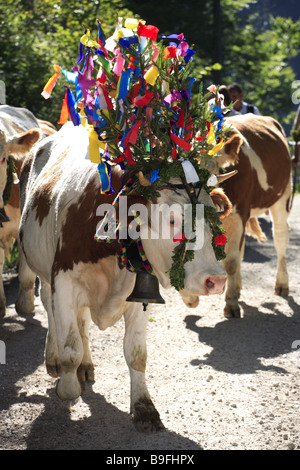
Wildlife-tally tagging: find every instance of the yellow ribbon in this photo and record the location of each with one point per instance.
(94, 144)
(86, 41)
(211, 138)
(152, 74)
(216, 148)
(131, 23)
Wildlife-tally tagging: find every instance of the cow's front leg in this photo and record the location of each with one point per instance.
(69, 342)
(232, 264)
(145, 416)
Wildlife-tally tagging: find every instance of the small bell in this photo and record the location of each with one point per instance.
(146, 288)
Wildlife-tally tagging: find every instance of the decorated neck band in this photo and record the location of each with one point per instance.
(133, 95)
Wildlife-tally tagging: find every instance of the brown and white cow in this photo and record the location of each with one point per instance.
(259, 151)
(83, 279)
(19, 131)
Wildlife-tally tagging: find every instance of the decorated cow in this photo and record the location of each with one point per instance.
(258, 151)
(122, 189)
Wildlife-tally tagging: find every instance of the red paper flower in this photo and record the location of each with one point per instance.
(179, 237)
(148, 31)
(220, 240)
(170, 52)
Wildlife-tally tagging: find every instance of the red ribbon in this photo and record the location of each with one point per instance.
(181, 142)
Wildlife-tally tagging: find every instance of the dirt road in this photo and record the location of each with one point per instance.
(217, 383)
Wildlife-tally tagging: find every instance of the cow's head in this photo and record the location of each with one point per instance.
(160, 234)
(15, 146)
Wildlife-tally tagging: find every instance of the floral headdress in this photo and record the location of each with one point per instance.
(138, 111)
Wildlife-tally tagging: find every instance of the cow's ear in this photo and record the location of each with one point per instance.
(24, 143)
(230, 151)
(221, 202)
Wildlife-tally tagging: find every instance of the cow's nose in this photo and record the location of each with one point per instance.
(215, 285)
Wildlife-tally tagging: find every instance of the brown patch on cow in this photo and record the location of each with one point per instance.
(77, 243)
(42, 196)
(26, 164)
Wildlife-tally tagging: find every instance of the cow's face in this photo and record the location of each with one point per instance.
(14, 146)
(204, 275)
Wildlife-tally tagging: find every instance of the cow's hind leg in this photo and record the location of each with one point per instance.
(280, 214)
(145, 416)
(25, 301)
(69, 341)
(51, 350)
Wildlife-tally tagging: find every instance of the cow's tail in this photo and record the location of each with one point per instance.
(254, 230)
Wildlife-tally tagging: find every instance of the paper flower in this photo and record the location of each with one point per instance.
(220, 239)
(154, 176)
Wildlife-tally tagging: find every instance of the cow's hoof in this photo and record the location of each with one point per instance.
(54, 370)
(68, 388)
(282, 291)
(24, 309)
(2, 312)
(146, 417)
(85, 372)
(230, 312)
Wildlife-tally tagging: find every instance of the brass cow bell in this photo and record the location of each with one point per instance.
(146, 288)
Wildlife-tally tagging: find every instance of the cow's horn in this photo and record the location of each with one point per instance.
(143, 180)
(224, 177)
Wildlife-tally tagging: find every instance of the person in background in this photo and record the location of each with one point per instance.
(223, 90)
(237, 95)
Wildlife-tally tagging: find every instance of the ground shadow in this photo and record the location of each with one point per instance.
(49, 424)
(106, 428)
(238, 344)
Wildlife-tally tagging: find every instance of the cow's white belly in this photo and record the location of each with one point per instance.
(258, 211)
(39, 245)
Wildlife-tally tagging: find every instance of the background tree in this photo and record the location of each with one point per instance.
(234, 41)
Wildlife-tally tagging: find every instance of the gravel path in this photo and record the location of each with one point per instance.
(217, 383)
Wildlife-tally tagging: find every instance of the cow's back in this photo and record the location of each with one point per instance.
(263, 165)
(15, 121)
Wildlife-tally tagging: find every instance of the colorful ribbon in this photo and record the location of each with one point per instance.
(46, 93)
